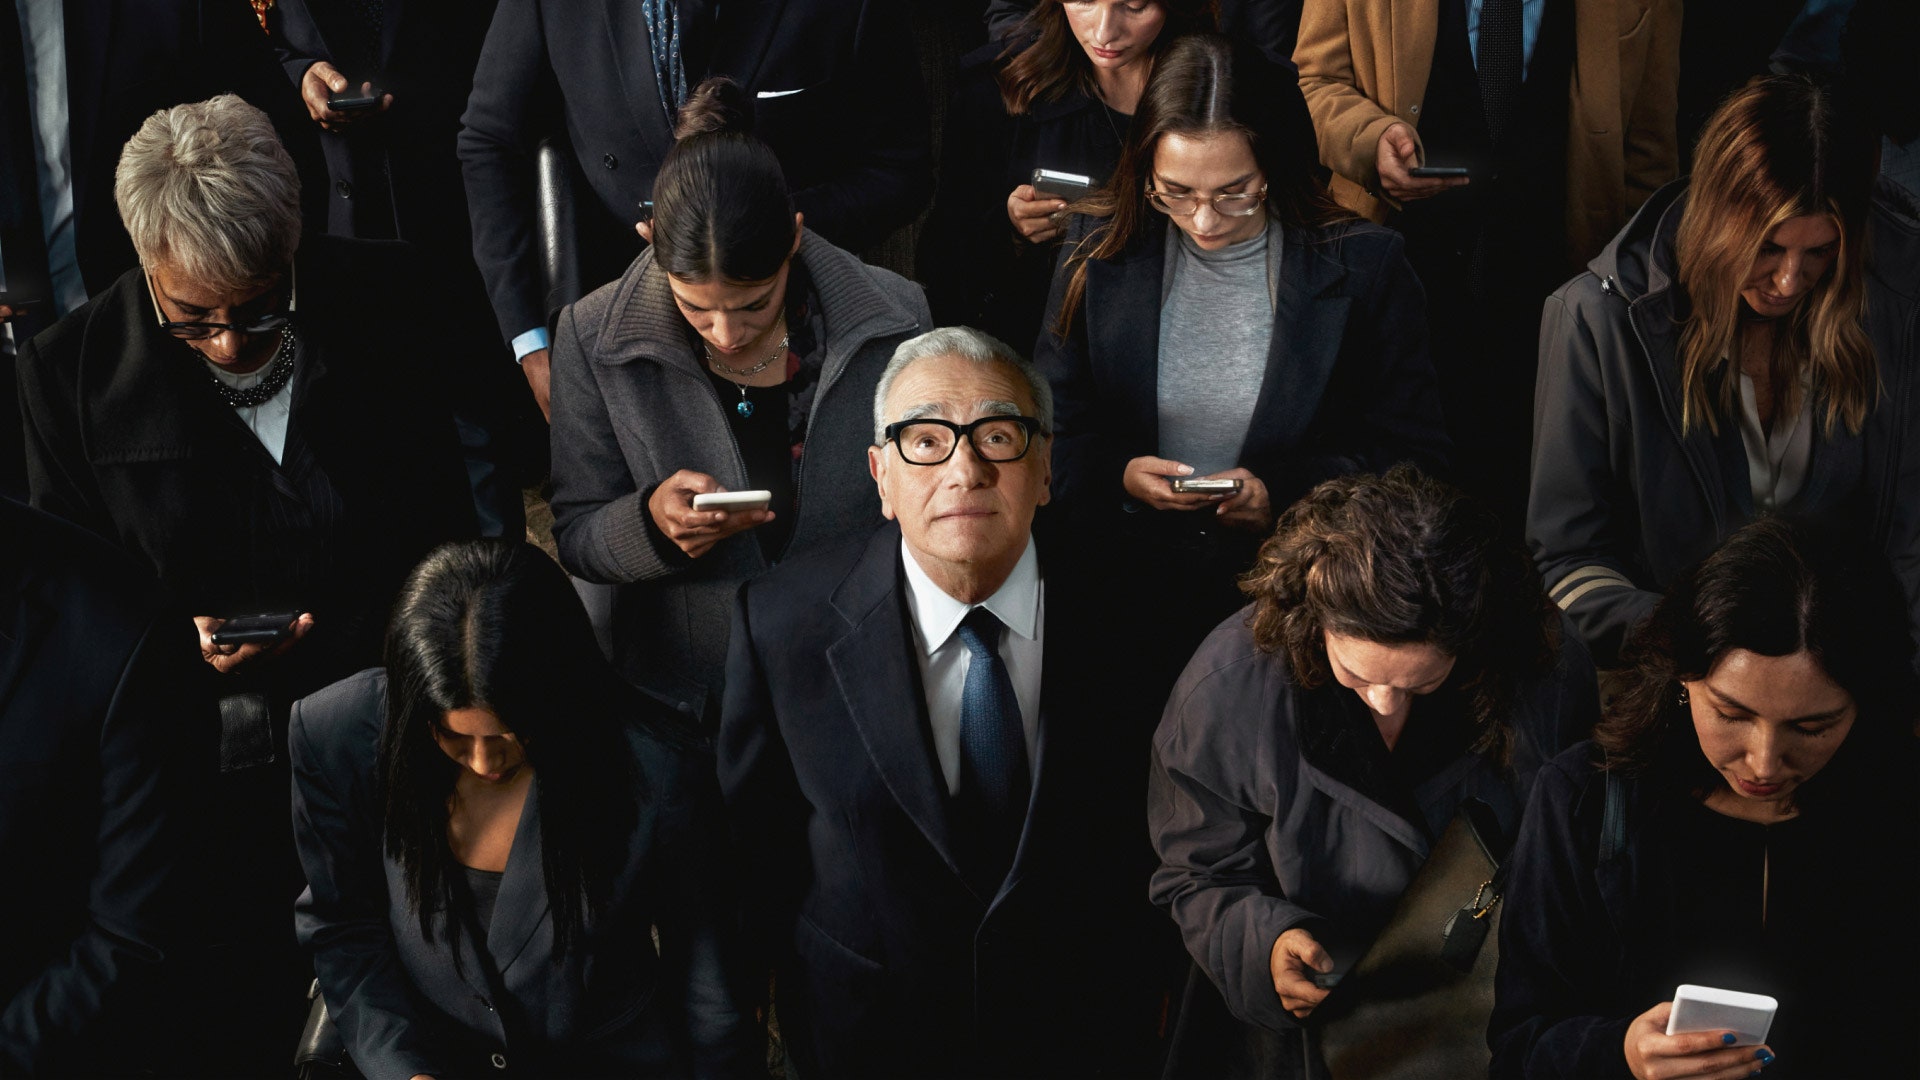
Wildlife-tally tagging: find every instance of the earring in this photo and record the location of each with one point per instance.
(1683, 697)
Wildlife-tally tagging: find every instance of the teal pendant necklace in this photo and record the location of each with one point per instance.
(743, 407)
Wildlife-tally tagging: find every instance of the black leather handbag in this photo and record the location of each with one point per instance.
(321, 1054)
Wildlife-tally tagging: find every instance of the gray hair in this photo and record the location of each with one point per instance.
(207, 190)
(968, 344)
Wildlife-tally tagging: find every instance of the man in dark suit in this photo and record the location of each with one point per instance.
(838, 97)
(393, 173)
(936, 786)
(100, 722)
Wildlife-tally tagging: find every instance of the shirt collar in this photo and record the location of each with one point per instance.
(936, 615)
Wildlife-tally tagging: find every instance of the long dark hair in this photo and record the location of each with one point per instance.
(494, 624)
(1054, 62)
(721, 211)
(1776, 587)
(1203, 85)
(1405, 559)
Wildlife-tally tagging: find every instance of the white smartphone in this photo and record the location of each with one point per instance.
(733, 500)
(1708, 1008)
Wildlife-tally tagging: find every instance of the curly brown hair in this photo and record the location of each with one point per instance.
(1405, 559)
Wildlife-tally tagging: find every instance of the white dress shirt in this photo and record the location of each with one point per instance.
(1019, 604)
(1777, 460)
(268, 420)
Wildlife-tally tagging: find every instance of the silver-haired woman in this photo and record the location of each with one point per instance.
(252, 415)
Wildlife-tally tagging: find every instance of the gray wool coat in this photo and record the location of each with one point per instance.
(632, 404)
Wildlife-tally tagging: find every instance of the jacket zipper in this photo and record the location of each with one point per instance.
(1607, 286)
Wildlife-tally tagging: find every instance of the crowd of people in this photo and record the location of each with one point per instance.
(846, 538)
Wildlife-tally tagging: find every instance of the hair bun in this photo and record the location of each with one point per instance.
(717, 105)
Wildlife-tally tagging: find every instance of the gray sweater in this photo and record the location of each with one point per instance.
(1216, 324)
(632, 405)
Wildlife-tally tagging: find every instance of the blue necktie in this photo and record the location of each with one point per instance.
(993, 744)
(669, 73)
(1501, 60)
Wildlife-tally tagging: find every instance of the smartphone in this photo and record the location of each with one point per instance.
(1061, 185)
(733, 500)
(1437, 171)
(646, 210)
(1327, 980)
(1194, 485)
(255, 629)
(1709, 1008)
(354, 101)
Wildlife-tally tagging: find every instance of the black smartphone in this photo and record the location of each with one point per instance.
(355, 101)
(255, 629)
(1437, 171)
(646, 210)
(1061, 185)
(1198, 485)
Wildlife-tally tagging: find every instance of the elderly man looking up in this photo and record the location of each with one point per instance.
(250, 415)
(935, 792)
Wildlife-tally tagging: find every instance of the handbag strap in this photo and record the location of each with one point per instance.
(1613, 817)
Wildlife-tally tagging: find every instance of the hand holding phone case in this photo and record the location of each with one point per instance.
(1709, 1008)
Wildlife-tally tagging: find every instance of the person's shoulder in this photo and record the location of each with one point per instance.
(341, 722)
(86, 576)
(100, 328)
(813, 577)
(1229, 665)
(851, 287)
(1356, 244)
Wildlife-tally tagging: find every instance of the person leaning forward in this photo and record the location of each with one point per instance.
(937, 802)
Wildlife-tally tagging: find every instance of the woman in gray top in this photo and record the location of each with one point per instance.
(1266, 340)
(739, 352)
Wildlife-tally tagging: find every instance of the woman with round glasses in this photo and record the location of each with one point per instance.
(1261, 344)
(255, 415)
(739, 352)
(1058, 93)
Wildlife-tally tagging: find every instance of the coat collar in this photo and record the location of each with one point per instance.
(639, 85)
(645, 323)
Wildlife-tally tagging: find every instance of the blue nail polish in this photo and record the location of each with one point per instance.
(1765, 1056)
(1728, 1039)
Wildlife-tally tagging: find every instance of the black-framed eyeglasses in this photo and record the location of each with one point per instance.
(1239, 204)
(191, 330)
(994, 438)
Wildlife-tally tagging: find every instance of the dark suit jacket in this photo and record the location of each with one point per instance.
(126, 437)
(1349, 386)
(609, 1007)
(847, 117)
(100, 721)
(891, 959)
(428, 51)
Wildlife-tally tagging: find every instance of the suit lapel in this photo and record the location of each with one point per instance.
(633, 63)
(523, 901)
(873, 666)
(1308, 327)
(1124, 347)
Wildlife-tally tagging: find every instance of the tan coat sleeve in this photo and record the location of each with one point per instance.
(1346, 53)
(1650, 103)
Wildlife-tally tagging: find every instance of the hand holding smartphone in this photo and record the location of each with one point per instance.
(1438, 172)
(1199, 485)
(351, 100)
(1708, 1008)
(1061, 185)
(256, 629)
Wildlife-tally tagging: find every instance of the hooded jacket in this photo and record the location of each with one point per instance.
(1622, 502)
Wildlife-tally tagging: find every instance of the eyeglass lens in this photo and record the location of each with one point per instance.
(1235, 205)
(930, 442)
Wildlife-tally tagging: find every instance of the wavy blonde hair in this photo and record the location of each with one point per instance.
(1780, 147)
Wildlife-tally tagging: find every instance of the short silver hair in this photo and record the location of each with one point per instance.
(207, 191)
(968, 344)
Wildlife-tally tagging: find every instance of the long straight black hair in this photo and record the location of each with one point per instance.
(494, 624)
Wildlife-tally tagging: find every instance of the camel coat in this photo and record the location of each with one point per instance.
(1364, 66)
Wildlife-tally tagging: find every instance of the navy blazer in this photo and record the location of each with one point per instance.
(1349, 386)
(891, 957)
(615, 1005)
(103, 717)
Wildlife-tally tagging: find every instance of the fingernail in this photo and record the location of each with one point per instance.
(1728, 1039)
(1765, 1056)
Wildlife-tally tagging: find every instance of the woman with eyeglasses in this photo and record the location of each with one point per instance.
(257, 417)
(738, 353)
(1219, 319)
(1058, 93)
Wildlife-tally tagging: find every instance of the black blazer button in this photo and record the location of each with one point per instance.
(610, 161)
(497, 1059)
(345, 188)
